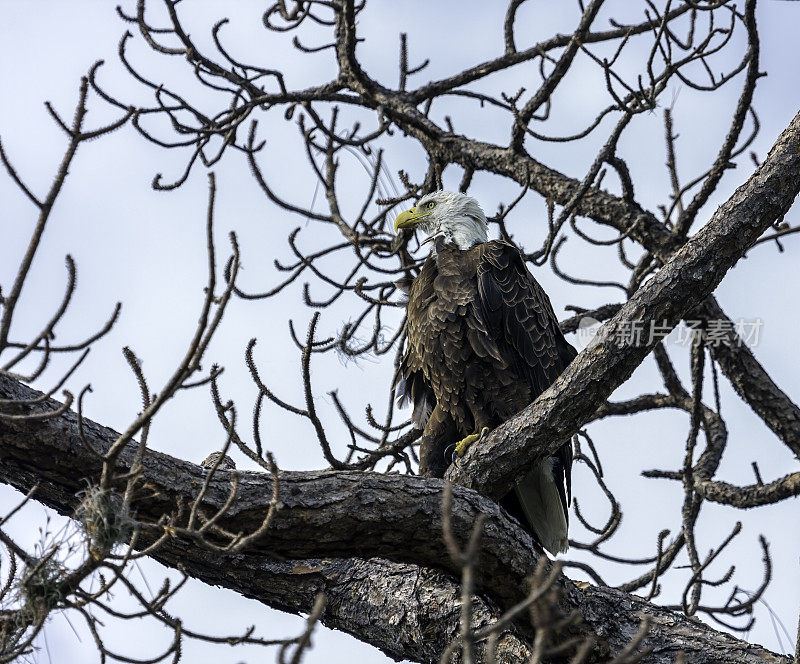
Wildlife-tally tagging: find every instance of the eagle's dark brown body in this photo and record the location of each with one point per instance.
(483, 342)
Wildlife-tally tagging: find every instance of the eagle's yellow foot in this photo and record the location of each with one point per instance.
(464, 443)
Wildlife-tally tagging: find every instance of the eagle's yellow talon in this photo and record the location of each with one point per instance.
(464, 443)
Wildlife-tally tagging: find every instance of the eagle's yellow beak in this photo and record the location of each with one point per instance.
(408, 219)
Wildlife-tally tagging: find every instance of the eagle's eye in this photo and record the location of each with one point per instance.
(430, 205)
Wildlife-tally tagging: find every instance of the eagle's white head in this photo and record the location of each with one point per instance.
(453, 216)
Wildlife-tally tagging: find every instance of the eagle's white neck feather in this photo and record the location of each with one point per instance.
(465, 232)
(456, 218)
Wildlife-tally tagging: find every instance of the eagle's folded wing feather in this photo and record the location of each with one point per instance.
(515, 322)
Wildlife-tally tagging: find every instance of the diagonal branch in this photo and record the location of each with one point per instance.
(686, 279)
(749, 378)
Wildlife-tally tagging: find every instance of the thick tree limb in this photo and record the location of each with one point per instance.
(406, 610)
(322, 513)
(685, 280)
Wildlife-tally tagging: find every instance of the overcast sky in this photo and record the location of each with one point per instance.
(147, 250)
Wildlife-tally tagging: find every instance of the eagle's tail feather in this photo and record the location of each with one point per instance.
(543, 508)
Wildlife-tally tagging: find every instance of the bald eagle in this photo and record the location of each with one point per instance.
(482, 342)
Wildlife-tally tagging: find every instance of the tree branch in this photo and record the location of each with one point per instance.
(686, 280)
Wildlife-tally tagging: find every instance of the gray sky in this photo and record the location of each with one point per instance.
(146, 249)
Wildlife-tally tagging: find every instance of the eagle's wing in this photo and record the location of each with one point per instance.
(411, 386)
(514, 322)
(514, 319)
